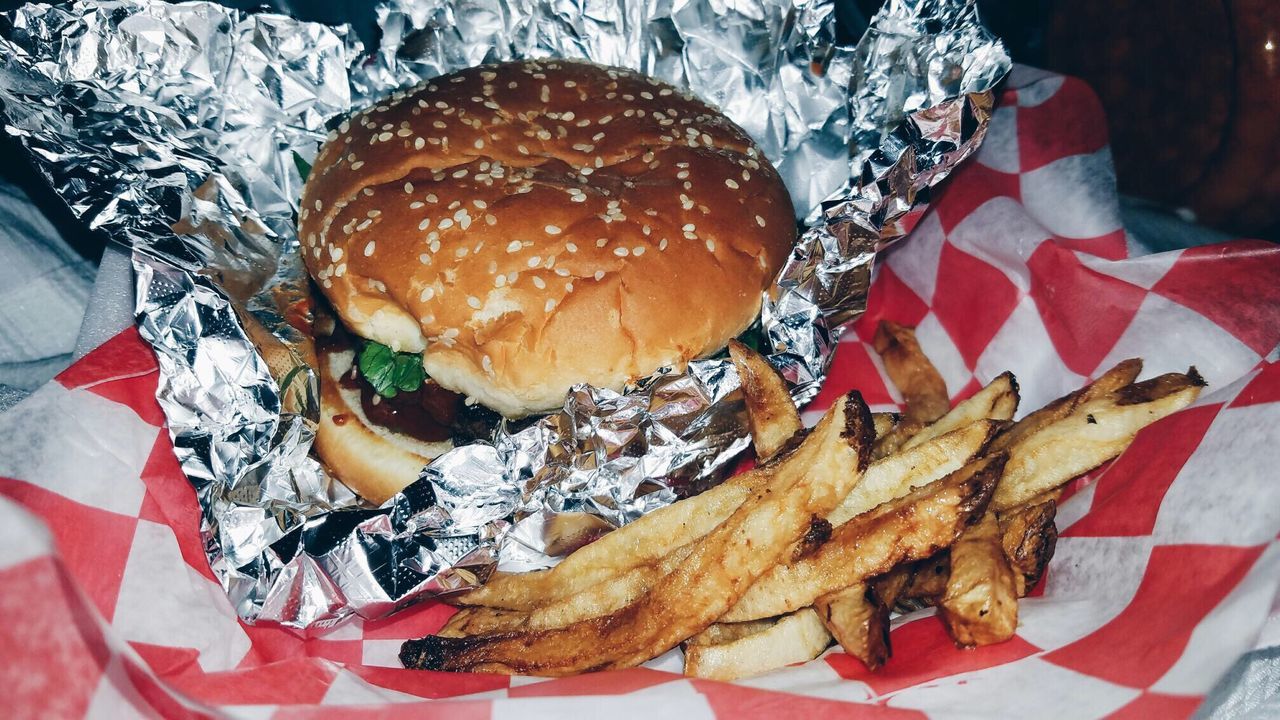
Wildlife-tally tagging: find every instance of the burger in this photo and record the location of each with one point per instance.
(493, 237)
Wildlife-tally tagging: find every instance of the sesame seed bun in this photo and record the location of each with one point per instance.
(530, 226)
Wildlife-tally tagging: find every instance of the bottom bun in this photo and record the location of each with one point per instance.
(373, 461)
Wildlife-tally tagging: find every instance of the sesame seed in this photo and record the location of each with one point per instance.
(605, 120)
(551, 305)
(746, 175)
(760, 221)
(480, 204)
(319, 205)
(601, 242)
(427, 293)
(499, 280)
(416, 204)
(474, 302)
(368, 249)
(479, 144)
(490, 219)
(571, 247)
(711, 245)
(523, 150)
(357, 165)
(446, 223)
(435, 246)
(419, 143)
(620, 251)
(535, 261)
(731, 184)
(662, 244)
(383, 137)
(431, 198)
(539, 283)
(599, 275)
(552, 230)
(461, 252)
(460, 173)
(638, 250)
(689, 227)
(513, 246)
(426, 223)
(364, 224)
(425, 259)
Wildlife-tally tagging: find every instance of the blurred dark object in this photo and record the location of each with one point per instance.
(1192, 93)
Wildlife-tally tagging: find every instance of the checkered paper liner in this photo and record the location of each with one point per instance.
(1166, 570)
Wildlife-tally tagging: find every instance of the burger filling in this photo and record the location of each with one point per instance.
(396, 394)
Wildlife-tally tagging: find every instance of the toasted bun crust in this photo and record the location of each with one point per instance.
(371, 460)
(533, 225)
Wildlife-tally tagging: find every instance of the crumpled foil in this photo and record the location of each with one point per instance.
(182, 130)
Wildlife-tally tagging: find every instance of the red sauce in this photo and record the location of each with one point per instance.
(340, 419)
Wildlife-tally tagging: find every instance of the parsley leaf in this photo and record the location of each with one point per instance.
(390, 372)
(304, 167)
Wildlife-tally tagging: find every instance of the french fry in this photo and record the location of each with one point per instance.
(980, 603)
(909, 528)
(811, 481)
(922, 387)
(771, 413)
(793, 638)
(997, 401)
(1093, 433)
(858, 622)
(927, 583)
(895, 476)
(858, 616)
(721, 633)
(1028, 536)
(1124, 373)
(774, 420)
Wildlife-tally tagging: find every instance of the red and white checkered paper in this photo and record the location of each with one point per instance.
(1166, 571)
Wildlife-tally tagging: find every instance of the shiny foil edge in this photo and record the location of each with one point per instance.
(291, 546)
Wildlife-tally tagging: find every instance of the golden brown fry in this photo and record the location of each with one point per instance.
(909, 528)
(721, 633)
(641, 543)
(890, 442)
(884, 423)
(997, 401)
(1109, 382)
(895, 476)
(922, 387)
(980, 605)
(926, 581)
(1093, 433)
(858, 621)
(771, 412)
(721, 567)
(1029, 535)
(793, 638)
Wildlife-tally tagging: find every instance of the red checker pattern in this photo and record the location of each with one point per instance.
(969, 190)
(121, 369)
(735, 701)
(922, 651)
(1065, 124)
(94, 545)
(1181, 585)
(1263, 388)
(889, 299)
(973, 301)
(1062, 287)
(1236, 285)
(59, 642)
(1157, 705)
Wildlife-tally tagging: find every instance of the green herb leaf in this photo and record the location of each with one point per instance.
(304, 167)
(390, 372)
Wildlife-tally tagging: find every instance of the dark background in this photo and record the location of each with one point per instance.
(1191, 89)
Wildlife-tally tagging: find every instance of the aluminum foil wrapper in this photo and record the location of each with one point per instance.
(183, 131)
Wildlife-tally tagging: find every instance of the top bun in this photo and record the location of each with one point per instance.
(533, 225)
